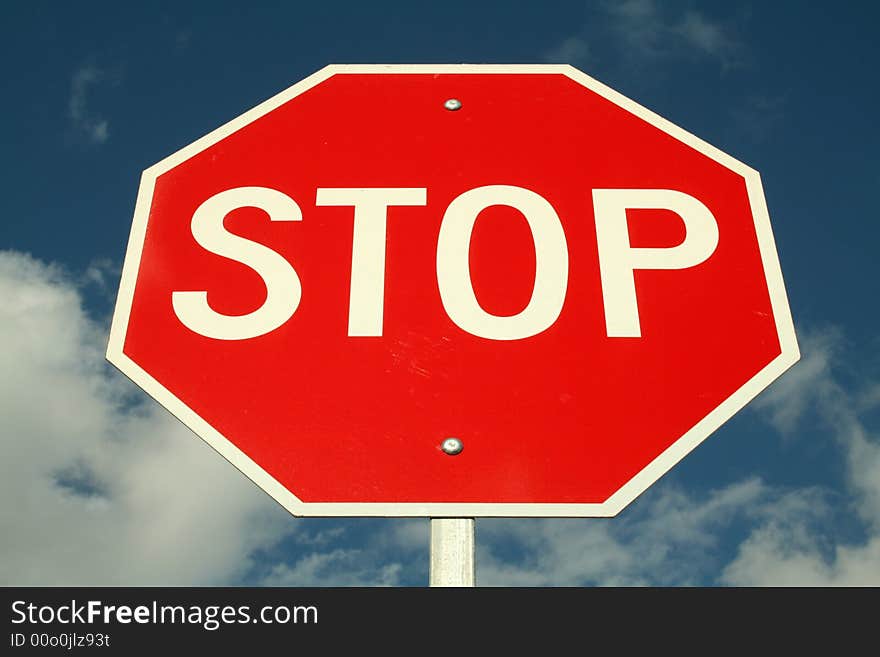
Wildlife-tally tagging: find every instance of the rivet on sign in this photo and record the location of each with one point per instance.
(452, 446)
(452, 104)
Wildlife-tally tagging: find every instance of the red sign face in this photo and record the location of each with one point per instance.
(382, 258)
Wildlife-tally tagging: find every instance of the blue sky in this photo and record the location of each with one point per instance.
(100, 486)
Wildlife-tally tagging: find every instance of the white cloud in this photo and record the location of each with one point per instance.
(637, 24)
(100, 486)
(787, 401)
(92, 126)
(386, 552)
(339, 567)
(572, 50)
(99, 273)
(703, 34)
(671, 540)
(812, 391)
(785, 553)
(649, 30)
(642, 31)
(776, 555)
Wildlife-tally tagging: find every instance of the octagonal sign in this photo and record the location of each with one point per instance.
(383, 258)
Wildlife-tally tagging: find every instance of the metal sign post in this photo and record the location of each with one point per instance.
(452, 552)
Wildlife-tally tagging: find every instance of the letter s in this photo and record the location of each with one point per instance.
(283, 288)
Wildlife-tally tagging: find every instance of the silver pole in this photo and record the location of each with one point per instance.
(452, 552)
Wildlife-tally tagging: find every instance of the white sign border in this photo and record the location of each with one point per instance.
(614, 504)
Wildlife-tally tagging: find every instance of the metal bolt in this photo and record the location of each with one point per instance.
(452, 104)
(452, 446)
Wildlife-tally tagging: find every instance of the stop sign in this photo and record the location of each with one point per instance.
(380, 259)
